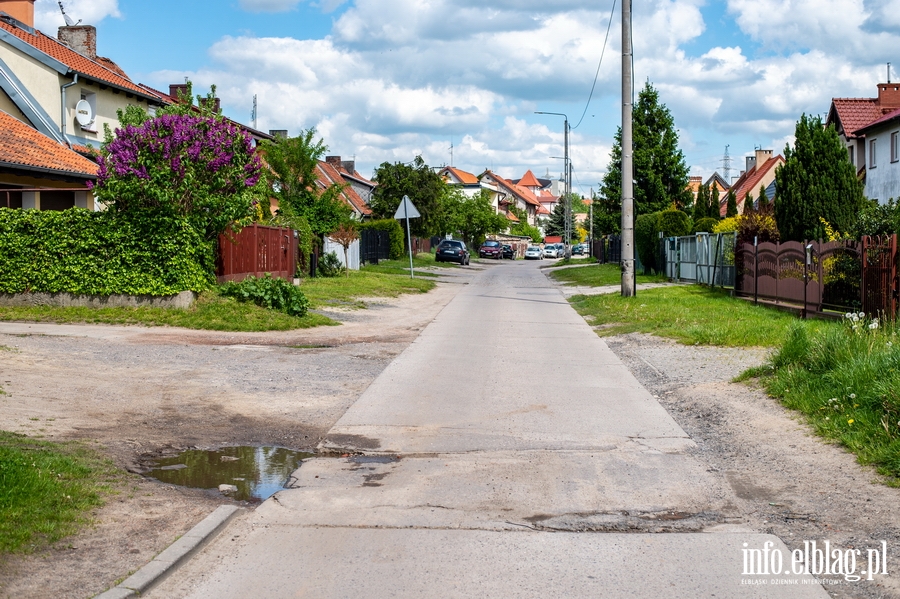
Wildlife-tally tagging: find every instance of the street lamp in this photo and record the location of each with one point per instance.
(567, 176)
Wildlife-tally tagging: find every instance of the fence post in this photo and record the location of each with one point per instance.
(755, 269)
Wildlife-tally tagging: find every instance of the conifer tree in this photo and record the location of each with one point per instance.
(763, 202)
(661, 175)
(816, 180)
(748, 203)
(714, 211)
(731, 207)
(701, 204)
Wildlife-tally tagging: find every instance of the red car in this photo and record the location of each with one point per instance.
(491, 249)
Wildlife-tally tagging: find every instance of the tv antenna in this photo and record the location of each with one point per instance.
(69, 21)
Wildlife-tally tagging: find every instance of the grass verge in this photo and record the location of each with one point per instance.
(690, 314)
(599, 275)
(401, 266)
(47, 490)
(847, 384)
(210, 312)
(214, 312)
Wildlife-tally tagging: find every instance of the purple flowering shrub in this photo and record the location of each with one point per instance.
(201, 168)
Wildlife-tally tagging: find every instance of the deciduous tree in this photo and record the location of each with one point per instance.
(424, 187)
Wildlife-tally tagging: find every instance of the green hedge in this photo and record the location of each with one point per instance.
(101, 253)
(396, 234)
(673, 223)
(646, 240)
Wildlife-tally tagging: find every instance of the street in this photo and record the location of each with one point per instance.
(489, 459)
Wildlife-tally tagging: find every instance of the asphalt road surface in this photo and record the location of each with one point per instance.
(506, 453)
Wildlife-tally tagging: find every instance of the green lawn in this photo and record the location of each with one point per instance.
(599, 275)
(690, 314)
(47, 490)
(214, 312)
(401, 266)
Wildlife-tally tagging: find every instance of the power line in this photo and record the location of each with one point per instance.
(597, 74)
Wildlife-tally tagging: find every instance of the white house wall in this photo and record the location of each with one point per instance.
(883, 181)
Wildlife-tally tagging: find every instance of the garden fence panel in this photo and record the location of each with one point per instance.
(257, 250)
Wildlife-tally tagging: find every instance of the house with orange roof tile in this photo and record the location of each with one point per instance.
(329, 174)
(363, 187)
(466, 182)
(760, 172)
(39, 172)
(715, 182)
(510, 194)
(59, 85)
(850, 116)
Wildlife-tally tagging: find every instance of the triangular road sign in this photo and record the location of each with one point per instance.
(406, 209)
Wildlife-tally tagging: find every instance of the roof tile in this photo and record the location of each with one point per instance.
(101, 69)
(24, 146)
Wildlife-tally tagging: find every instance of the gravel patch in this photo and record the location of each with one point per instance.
(786, 481)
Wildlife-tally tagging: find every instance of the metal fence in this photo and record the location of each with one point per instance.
(822, 277)
(257, 250)
(374, 246)
(701, 258)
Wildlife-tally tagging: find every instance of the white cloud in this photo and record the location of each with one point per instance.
(48, 18)
(268, 5)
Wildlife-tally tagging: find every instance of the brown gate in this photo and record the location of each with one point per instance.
(256, 250)
(879, 275)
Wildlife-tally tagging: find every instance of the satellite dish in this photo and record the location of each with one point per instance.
(84, 114)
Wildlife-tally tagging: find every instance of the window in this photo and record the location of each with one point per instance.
(872, 161)
(852, 157)
(895, 150)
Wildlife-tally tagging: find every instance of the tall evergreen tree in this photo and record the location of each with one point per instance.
(660, 172)
(701, 204)
(762, 204)
(714, 208)
(556, 225)
(607, 216)
(731, 205)
(816, 180)
(748, 203)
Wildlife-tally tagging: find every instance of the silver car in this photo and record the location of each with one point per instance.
(534, 253)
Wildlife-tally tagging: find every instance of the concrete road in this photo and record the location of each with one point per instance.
(506, 453)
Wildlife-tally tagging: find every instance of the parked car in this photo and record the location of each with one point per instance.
(509, 252)
(554, 250)
(579, 249)
(452, 250)
(534, 252)
(491, 249)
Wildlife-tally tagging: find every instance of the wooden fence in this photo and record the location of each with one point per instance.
(821, 277)
(257, 250)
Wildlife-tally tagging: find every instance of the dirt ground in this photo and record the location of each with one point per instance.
(136, 393)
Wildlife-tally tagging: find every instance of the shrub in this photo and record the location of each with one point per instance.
(727, 225)
(705, 225)
(330, 265)
(101, 253)
(646, 241)
(203, 169)
(394, 230)
(267, 292)
(673, 223)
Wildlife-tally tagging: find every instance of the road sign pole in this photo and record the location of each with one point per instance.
(408, 236)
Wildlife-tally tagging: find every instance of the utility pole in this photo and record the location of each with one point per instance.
(567, 179)
(628, 286)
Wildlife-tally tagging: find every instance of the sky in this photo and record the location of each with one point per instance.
(386, 80)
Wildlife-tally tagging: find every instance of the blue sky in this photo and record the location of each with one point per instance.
(384, 80)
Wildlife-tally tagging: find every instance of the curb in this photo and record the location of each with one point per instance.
(173, 556)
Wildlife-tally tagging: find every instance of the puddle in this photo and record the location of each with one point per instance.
(256, 472)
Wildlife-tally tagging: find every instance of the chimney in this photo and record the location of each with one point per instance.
(176, 90)
(217, 104)
(279, 133)
(888, 97)
(20, 10)
(762, 156)
(749, 164)
(349, 166)
(81, 38)
(334, 161)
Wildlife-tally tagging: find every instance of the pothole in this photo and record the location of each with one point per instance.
(243, 473)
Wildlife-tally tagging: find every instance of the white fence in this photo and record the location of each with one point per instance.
(702, 258)
(352, 253)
